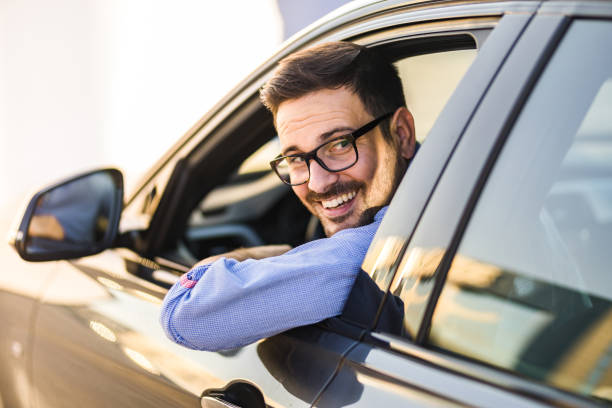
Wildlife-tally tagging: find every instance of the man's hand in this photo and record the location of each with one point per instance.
(242, 254)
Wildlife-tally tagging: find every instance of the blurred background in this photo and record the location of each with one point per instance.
(90, 83)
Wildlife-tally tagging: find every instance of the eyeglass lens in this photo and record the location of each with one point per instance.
(336, 155)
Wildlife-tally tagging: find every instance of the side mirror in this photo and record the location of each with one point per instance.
(74, 218)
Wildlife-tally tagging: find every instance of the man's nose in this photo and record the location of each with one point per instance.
(320, 179)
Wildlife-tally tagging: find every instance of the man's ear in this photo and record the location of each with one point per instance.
(402, 130)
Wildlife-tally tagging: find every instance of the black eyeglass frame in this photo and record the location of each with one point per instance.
(312, 155)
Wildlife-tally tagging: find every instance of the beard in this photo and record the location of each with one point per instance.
(337, 189)
(391, 180)
(334, 191)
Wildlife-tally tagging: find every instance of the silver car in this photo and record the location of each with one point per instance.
(487, 284)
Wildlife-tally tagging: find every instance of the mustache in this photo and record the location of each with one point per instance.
(335, 190)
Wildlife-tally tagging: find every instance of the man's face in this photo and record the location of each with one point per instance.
(351, 197)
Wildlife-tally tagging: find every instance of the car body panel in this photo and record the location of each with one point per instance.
(98, 342)
(21, 286)
(375, 375)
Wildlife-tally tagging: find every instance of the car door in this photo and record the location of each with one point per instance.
(98, 342)
(18, 302)
(504, 282)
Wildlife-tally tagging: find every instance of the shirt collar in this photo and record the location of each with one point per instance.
(381, 213)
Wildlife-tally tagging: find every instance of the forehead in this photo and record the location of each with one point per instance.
(304, 121)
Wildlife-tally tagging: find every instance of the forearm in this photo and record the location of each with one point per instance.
(242, 254)
(227, 304)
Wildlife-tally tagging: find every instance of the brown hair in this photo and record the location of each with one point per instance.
(335, 65)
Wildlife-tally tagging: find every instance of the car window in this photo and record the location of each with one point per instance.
(530, 289)
(255, 208)
(428, 81)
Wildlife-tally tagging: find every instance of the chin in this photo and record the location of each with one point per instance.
(331, 231)
(364, 218)
(331, 227)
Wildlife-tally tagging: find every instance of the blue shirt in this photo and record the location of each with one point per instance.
(229, 304)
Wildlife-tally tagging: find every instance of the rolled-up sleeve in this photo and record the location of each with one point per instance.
(228, 304)
(178, 294)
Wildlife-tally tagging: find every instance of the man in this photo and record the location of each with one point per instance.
(346, 138)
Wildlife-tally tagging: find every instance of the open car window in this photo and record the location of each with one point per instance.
(254, 208)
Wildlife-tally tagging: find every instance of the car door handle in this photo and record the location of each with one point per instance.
(212, 402)
(236, 394)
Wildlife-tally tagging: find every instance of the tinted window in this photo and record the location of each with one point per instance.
(531, 287)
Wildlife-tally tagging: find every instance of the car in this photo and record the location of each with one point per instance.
(487, 283)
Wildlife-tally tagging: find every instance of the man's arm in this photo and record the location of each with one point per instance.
(228, 304)
(242, 254)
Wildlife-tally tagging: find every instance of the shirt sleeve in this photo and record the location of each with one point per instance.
(229, 304)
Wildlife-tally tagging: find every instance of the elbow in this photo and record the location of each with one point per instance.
(180, 327)
(166, 320)
(172, 320)
(200, 336)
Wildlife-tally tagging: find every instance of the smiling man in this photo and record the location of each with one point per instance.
(370, 165)
(346, 138)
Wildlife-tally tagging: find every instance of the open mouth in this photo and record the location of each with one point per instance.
(338, 201)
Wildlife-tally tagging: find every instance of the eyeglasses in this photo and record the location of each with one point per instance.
(334, 155)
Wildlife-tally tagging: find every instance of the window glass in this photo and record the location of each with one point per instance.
(530, 288)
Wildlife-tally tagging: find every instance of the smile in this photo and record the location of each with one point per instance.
(335, 202)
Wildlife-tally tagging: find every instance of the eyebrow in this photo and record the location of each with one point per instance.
(322, 137)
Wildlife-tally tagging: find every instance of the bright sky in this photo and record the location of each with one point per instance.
(87, 83)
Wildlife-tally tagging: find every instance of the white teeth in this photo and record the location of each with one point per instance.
(335, 202)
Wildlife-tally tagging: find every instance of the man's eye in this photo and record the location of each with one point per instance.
(340, 145)
(295, 160)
